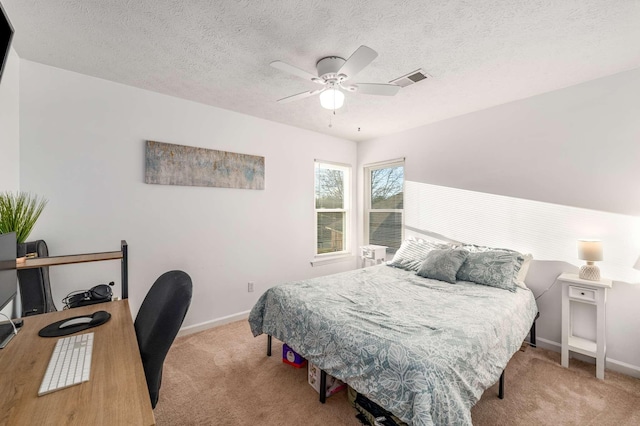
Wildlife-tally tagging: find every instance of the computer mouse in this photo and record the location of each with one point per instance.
(97, 317)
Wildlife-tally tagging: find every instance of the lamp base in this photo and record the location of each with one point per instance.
(589, 272)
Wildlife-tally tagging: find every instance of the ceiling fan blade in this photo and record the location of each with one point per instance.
(377, 89)
(299, 96)
(359, 59)
(350, 87)
(283, 66)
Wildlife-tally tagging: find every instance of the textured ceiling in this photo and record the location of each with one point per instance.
(480, 53)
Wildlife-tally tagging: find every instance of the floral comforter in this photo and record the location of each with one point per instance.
(423, 349)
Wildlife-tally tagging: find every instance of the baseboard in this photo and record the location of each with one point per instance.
(623, 367)
(611, 364)
(213, 323)
(548, 344)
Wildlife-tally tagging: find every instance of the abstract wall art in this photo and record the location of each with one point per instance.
(170, 164)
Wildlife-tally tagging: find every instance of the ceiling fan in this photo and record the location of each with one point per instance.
(333, 74)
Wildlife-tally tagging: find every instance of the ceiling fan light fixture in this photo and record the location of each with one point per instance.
(332, 73)
(332, 99)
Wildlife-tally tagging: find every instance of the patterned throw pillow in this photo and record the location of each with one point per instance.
(473, 248)
(494, 268)
(443, 264)
(412, 252)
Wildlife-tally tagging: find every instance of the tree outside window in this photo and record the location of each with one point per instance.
(385, 205)
(331, 204)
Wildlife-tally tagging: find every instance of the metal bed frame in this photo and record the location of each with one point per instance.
(323, 374)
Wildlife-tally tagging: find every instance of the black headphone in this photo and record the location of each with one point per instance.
(97, 294)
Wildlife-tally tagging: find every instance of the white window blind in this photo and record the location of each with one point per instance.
(384, 204)
(332, 203)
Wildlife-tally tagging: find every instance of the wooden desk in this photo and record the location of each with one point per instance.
(116, 393)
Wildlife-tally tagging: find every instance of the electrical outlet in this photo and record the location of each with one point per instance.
(250, 286)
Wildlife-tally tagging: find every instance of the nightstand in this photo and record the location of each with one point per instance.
(373, 253)
(577, 290)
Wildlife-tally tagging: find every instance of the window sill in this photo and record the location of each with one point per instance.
(319, 261)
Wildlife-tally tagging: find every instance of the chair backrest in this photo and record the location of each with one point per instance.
(158, 321)
(35, 289)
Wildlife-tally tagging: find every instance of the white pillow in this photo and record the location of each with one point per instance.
(524, 269)
(412, 253)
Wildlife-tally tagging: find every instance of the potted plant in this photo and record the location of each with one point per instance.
(19, 213)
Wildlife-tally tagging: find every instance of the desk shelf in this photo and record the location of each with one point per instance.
(122, 254)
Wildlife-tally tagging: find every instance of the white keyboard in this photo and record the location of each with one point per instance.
(70, 363)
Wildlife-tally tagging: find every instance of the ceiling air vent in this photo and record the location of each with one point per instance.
(411, 78)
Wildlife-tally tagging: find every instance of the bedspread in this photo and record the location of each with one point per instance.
(423, 349)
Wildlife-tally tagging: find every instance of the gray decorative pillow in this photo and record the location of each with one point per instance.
(412, 252)
(473, 248)
(443, 264)
(494, 268)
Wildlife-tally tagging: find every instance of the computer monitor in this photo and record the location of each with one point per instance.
(8, 275)
(6, 34)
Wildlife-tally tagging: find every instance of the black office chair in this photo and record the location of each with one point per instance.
(35, 289)
(158, 322)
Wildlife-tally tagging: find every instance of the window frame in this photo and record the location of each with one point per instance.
(367, 210)
(346, 208)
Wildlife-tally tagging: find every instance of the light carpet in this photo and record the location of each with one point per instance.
(222, 376)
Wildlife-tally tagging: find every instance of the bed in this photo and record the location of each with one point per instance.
(423, 349)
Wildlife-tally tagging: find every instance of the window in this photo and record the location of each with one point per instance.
(332, 207)
(384, 204)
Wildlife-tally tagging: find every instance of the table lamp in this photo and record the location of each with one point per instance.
(591, 251)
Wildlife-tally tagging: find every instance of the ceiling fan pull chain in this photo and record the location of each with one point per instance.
(334, 101)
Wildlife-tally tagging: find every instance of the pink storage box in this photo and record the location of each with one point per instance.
(333, 385)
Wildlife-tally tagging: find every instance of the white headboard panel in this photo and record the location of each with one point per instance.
(548, 231)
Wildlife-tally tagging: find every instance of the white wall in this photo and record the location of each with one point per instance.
(82, 147)
(577, 146)
(10, 125)
(575, 149)
(10, 131)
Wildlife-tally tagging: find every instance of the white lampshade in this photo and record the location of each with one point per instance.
(332, 99)
(590, 250)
